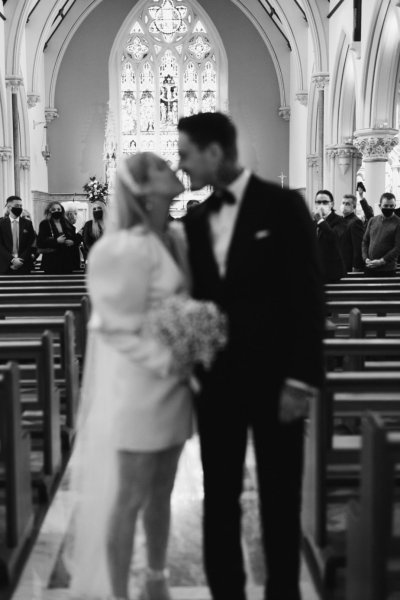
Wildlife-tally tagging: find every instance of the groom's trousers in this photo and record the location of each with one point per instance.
(225, 416)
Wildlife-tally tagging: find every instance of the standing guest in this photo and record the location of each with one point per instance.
(328, 225)
(381, 241)
(17, 240)
(93, 229)
(366, 208)
(350, 235)
(71, 213)
(252, 250)
(57, 241)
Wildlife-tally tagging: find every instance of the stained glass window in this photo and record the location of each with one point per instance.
(169, 68)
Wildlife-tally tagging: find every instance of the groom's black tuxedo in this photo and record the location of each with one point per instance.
(272, 294)
(27, 237)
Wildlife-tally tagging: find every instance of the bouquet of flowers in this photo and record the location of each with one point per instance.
(194, 330)
(95, 190)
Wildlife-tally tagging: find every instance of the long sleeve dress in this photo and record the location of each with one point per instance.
(133, 398)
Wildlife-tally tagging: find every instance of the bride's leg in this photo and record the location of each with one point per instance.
(157, 512)
(135, 473)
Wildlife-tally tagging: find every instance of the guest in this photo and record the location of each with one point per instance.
(57, 241)
(252, 250)
(366, 208)
(350, 235)
(328, 223)
(381, 242)
(93, 229)
(71, 214)
(136, 404)
(17, 240)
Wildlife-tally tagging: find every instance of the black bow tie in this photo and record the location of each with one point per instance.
(218, 198)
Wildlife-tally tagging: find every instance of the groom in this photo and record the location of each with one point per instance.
(252, 250)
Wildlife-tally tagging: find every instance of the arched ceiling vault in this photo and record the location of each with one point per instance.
(50, 25)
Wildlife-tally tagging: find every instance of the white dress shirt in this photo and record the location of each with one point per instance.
(222, 223)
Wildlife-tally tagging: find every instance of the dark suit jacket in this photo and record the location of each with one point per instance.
(350, 239)
(328, 248)
(27, 237)
(272, 291)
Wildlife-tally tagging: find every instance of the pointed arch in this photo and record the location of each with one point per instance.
(169, 57)
(343, 99)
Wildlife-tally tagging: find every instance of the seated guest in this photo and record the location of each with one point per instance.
(327, 237)
(17, 240)
(93, 229)
(366, 208)
(71, 213)
(381, 241)
(57, 241)
(350, 235)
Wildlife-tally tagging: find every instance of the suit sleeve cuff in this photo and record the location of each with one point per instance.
(301, 385)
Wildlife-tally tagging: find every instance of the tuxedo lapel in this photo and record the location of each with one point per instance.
(243, 228)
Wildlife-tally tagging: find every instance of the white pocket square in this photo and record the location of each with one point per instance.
(263, 233)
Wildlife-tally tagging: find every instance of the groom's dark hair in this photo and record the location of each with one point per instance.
(207, 127)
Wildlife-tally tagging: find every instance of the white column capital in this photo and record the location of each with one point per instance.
(14, 82)
(32, 99)
(284, 112)
(375, 144)
(313, 161)
(302, 97)
(25, 162)
(5, 153)
(320, 80)
(50, 114)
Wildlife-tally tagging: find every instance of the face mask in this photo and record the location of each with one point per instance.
(16, 211)
(56, 214)
(387, 212)
(97, 215)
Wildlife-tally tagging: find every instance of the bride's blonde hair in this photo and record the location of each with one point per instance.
(128, 205)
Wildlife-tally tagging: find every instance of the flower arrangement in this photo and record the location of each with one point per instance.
(95, 190)
(194, 330)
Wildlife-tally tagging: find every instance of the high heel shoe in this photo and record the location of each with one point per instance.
(156, 586)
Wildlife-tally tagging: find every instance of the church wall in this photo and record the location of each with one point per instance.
(76, 137)
(298, 136)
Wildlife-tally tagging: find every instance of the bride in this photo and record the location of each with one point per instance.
(136, 408)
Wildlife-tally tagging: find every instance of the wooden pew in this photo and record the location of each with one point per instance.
(45, 399)
(40, 298)
(322, 449)
(42, 276)
(362, 326)
(338, 310)
(355, 295)
(67, 372)
(44, 289)
(369, 520)
(14, 466)
(80, 309)
(360, 285)
(357, 353)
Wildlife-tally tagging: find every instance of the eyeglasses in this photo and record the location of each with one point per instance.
(322, 202)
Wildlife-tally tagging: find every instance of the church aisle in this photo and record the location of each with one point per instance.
(46, 577)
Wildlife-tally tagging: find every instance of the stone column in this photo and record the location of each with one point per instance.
(13, 82)
(5, 174)
(375, 145)
(313, 167)
(321, 80)
(345, 160)
(25, 192)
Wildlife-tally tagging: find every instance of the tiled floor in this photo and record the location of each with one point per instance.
(45, 576)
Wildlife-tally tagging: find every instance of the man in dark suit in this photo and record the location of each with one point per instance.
(351, 235)
(252, 251)
(17, 238)
(328, 226)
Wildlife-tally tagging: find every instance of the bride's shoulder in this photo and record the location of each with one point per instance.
(126, 245)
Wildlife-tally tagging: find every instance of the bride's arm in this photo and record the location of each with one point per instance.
(119, 274)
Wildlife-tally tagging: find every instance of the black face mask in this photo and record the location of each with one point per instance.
(97, 215)
(16, 211)
(56, 214)
(387, 212)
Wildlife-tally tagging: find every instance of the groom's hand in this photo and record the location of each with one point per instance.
(294, 403)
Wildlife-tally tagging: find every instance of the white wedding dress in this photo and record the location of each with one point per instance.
(131, 399)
